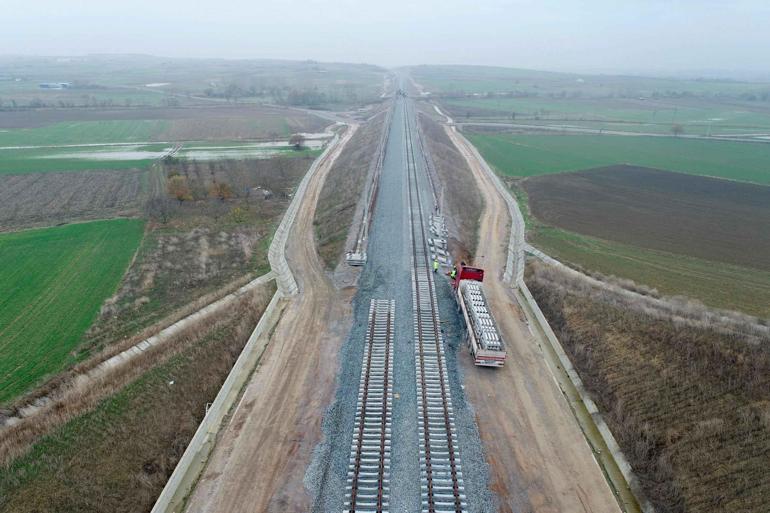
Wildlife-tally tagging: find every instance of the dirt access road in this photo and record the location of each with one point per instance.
(259, 461)
(539, 460)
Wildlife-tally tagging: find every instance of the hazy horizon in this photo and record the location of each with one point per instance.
(705, 37)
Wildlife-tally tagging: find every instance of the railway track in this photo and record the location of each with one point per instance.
(368, 487)
(440, 466)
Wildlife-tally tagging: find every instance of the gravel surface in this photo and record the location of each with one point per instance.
(387, 275)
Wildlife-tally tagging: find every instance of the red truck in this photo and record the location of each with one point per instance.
(484, 340)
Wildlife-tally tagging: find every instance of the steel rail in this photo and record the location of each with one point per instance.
(369, 466)
(443, 488)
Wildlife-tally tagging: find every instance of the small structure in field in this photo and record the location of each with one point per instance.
(261, 192)
(54, 85)
(297, 140)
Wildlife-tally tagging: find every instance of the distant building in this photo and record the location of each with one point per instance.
(55, 85)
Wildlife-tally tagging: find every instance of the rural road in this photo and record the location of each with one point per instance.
(539, 460)
(260, 459)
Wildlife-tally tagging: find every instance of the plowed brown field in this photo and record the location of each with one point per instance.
(708, 218)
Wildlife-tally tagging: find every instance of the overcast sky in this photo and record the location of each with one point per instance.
(575, 35)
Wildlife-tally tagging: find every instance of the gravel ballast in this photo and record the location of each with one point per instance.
(387, 275)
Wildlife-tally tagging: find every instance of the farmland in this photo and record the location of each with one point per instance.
(687, 401)
(617, 221)
(84, 132)
(635, 104)
(455, 81)
(53, 160)
(695, 116)
(54, 282)
(218, 122)
(70, 164)
(135, 156)
(529, 155)
(72, 140)
(716, 284)
(130, 81)
(44, 199)
(715, 219)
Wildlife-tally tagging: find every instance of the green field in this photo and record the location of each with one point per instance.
(85, 132)
(530, 155)
(658, 116)
(716, 284)
(54, 281)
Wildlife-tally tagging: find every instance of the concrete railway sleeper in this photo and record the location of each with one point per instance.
(368, 487)
(440, 465)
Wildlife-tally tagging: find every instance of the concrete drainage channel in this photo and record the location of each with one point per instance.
(180, 484)
(608, 454)
(87, 378)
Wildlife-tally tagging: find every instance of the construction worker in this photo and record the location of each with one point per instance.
(453, 274)
(435, 264)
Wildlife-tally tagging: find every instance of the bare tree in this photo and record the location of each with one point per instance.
(177, 187)
(297, 140)
(220, 190)
(158, 208)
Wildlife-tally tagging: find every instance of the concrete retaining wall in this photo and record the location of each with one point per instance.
(175, 328)
(276, 255)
